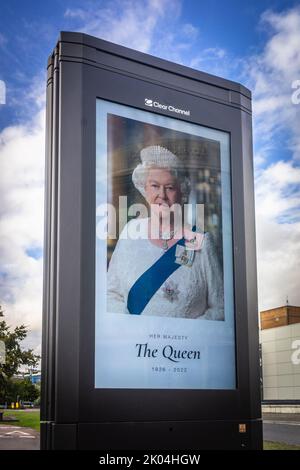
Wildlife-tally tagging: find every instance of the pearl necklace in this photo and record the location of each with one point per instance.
(165, 237)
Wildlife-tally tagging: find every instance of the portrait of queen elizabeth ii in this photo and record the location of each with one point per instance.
(169, 270)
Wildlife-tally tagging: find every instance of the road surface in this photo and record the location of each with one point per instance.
(282, 427)
(18, 438)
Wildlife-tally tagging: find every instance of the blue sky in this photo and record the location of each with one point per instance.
(29, 30)
(256, 43)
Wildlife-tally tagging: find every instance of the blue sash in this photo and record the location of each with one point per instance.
(151, 280)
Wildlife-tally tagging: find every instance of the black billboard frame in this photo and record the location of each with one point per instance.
(75, 415)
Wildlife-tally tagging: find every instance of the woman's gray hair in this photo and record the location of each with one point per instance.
(156, 156)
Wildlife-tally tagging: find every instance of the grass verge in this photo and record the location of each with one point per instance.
(271, 445)
(26, 419)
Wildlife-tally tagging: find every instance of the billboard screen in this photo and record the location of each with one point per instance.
(164, 263)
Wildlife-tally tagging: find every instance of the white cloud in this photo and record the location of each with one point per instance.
(282, 52)
(217, 61)
(129, 22)
(2, 92)
(21, 223)
(278, 193)
(277, 185)
(151, 26)
(190, 31)
(270, 75)
(278, 242)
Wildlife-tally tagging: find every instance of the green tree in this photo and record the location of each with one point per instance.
(25, 390)
(15, 357)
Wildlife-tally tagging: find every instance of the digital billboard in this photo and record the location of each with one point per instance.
(164, 263)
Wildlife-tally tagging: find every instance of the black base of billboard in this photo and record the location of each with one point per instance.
(163, 436)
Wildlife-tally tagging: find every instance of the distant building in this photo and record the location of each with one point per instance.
(33, 376)
(280, 316)
(36, 378)
(280, 355)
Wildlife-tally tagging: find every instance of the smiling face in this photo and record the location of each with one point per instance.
(162, 188)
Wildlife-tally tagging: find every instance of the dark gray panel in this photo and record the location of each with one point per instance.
(68, 245)
(64, 437)
(135, 56)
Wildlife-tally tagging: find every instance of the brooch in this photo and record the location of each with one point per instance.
(170, 290)
(183, 256)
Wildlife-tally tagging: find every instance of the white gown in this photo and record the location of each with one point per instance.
(190, 292)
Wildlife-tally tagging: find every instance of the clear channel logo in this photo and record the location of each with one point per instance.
(155, 104)
(148, 102)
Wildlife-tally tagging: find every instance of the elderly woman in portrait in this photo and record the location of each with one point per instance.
(164, 272)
